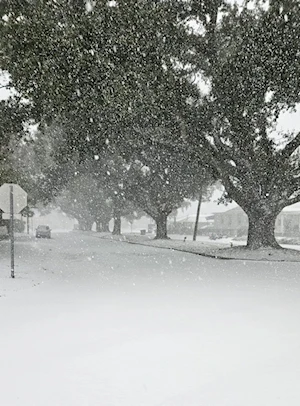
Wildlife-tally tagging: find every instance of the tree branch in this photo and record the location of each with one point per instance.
(293, 200)
(222, 147)
(291, 147)
(234, 193)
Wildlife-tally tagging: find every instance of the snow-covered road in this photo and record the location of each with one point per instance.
(91, 322)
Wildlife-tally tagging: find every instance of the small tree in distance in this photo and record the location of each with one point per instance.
(160, 184)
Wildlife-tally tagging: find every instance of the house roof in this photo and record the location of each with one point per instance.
(237, 209)
(294, 208)
(213, 207)
(191, 218)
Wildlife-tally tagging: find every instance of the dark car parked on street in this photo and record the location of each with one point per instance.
(43, 232)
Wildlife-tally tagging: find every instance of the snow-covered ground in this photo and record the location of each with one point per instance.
(224, 248)
(91, 321)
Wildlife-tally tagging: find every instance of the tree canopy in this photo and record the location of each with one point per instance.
(126, 76)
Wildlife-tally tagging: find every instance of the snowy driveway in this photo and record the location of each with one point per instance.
(91, 322)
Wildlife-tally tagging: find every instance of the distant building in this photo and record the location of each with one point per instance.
(185, 225)
(288, 223)
(234, 222)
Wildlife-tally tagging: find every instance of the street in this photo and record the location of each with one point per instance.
(91, 321)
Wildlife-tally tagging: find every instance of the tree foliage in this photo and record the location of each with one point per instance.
(159, 179)
(13, 118)
(122, 77)
(87, 202)
(96, 68)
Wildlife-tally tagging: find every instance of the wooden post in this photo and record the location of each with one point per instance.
(197, 215)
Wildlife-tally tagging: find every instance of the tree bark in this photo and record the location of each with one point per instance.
(261, 231)
(105, 227)
(102, 226)
(117, 222)
(85, 225)
(161, 226)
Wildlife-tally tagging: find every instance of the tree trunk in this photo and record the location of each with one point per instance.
(85, 225)
(117, 222)
(102, 225)
(81, 225)
(161, 226)
(197, 216)
(261, 231)
(105, 227)
(98, 226)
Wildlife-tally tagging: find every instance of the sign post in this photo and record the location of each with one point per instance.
(13, 199)
(12, 236)
(27, 222)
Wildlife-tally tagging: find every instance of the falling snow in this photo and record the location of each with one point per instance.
(158, 144)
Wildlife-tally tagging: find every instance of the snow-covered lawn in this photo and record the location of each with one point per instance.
(91, 321)
(225, 248)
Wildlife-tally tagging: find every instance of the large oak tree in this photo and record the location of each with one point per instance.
(253, 72)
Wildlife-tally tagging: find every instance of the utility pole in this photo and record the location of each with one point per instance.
(197, 215)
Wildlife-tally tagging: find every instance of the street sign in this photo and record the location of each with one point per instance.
(19, 198)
